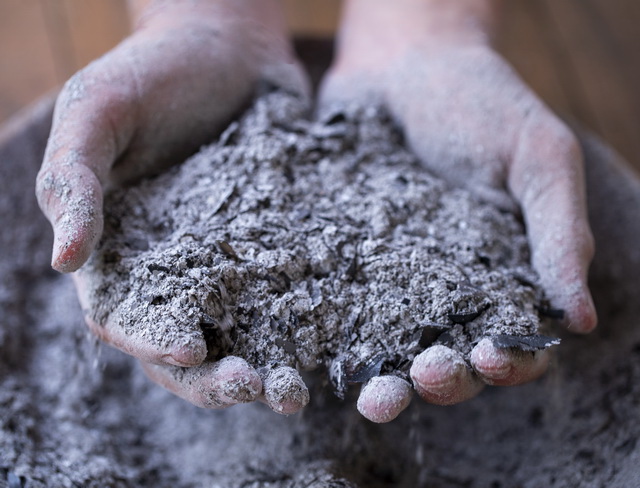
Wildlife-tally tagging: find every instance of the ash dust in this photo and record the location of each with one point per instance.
(299, 243)
(74, 413)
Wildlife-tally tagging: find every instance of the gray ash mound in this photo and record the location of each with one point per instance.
(307, 243)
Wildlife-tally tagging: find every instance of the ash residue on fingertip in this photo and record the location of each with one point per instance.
(236, 380)
(285, 390)
(241, 390)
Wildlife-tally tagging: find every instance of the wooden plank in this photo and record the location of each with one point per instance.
(618, 21)
(523, 39)
(25, 57)
(95, 26)
(598, 73)
(620, 18)
(576, 103)
(59, 35)
(312, 18)
(325, 15)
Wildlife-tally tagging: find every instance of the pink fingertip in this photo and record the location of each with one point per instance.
(582, 318)
(236, 381)
(188, 355)
(441, 376)
(436, 368)
(72, 202)
(490, 361)
(285, 391)
(383, 398)
(69, 254)
(507, 367)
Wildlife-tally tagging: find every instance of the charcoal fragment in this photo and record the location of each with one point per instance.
(446, 339)
(158, 267)
(463, 318)
(536, 342)
(552, 313)
(227, 250)
(288, 346)
(367, 371)
(429, 333)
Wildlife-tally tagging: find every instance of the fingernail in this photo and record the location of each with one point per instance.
(490, 361)
(187, 355)
(66, 253)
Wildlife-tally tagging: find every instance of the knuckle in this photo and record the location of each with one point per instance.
(561, 141)
(73, 89)
(80, 89)
(560, 131)
(100, 86)
(568, 144)
(44, 182)
(551, 165)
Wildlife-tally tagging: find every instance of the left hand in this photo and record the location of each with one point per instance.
(473, 122)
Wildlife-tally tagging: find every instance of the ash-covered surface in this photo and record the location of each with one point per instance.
(73, 414)
(292, 242)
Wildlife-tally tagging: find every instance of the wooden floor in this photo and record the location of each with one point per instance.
(43, 42)
(581, 56)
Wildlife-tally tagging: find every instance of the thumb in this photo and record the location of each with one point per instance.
(547, 178)
(80, 152)
(290, 76)
(71, 198)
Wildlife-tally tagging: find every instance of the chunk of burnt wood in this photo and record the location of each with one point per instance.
(536, 342)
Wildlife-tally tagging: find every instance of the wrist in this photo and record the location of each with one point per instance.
(378, 31)
(247, 33)
(267, 14)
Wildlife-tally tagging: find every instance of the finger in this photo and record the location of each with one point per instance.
(507, 367)
(337, 91)
(548, 180)
(166, 344)
(213, 385)
(497, 197)
(284, 390)
(441, 376)
(187, 349)
(290, 76)
(382, 398)
(71, 199)
(82, 147)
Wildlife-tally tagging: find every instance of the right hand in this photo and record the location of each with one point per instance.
(149, 103)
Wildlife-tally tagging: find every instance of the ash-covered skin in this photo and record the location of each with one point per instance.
(294, 243)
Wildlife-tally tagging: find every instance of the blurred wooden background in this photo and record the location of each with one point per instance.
(581, 56)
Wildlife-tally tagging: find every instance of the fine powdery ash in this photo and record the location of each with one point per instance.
(302, 243)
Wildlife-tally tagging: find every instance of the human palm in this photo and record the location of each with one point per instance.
(474, 123)
(147, 104)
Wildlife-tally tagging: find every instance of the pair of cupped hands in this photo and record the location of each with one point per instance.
(190, 67)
